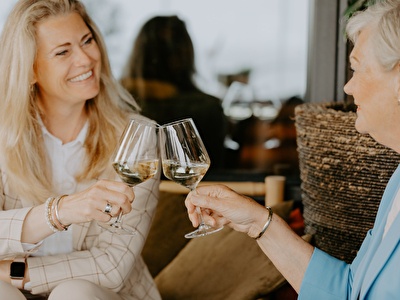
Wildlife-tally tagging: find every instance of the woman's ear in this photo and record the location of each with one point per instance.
(32, 83)
(33, 80)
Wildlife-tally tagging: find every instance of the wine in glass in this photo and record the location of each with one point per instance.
(185, 161)
(135, 161)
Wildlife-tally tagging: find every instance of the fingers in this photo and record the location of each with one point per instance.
(111, 210)
(208, 209)
(221, 205)
(117, 194)
(102, 201)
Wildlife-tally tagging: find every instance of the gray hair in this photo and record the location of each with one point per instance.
(383, 18)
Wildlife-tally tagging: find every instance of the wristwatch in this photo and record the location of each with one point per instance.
(17, 272)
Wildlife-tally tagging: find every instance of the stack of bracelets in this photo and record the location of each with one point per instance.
(51, 214)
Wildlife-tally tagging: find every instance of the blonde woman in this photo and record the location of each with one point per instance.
(61, 114)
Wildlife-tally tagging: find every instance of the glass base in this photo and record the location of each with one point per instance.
(202, 230)
(117, 228)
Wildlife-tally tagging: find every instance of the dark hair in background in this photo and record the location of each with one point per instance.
(163, 50)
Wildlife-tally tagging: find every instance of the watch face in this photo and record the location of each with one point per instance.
(17, 269)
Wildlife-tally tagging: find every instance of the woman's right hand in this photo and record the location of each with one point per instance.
(223, 206)
(90, 204)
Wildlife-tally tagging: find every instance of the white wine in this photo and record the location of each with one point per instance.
(138, 172)
(188, 175)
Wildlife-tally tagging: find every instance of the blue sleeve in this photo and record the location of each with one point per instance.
(326, 278)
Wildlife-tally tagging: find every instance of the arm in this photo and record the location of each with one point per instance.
(289, 253)
(101, 257)
(78, 208)
(28, 225)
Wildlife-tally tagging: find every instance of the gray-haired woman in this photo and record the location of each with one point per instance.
(374, 273)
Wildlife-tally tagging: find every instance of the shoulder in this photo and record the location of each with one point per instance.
(200, 99)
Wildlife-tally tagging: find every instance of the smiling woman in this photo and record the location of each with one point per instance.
(61, 115)
(67, 68)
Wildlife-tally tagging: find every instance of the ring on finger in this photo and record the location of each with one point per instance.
(108, 208)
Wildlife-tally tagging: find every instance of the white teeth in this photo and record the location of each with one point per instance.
(82, 77)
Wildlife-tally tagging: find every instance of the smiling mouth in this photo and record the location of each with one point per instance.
(82, 77)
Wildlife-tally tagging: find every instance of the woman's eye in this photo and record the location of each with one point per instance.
(61, 53)
(88, 41)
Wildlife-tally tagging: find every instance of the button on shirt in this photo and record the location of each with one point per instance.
(66, 161)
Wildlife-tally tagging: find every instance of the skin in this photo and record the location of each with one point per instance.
(67, 74)
(376, 93)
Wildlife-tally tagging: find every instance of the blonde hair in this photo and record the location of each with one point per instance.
(383, 18)
(22, 155)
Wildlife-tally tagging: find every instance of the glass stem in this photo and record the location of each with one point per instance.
(119, 218)
(202, 224)
(198, 210)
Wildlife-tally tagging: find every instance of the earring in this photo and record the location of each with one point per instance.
(32, 88)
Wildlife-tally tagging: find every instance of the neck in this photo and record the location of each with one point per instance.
(65, 125)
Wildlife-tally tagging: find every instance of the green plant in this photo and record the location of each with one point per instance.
(357, 5)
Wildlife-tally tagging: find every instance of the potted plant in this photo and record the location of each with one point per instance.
(357, 5)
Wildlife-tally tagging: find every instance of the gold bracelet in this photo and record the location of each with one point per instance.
(266, 224)
(47, 214)
(55, 215)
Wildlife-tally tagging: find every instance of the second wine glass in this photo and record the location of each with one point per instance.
(185, 161)
(135, 161)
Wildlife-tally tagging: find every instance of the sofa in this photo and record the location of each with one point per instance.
(224, 265)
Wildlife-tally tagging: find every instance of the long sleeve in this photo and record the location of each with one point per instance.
(101, 257)
(12, 216)
(326, 278)
(373, 273)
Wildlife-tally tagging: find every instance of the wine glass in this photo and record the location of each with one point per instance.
(135, 160)
(185, 161)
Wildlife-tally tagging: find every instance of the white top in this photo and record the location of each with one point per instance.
(66, 161)
(394, 211)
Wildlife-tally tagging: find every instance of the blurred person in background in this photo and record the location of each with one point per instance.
(160, 76)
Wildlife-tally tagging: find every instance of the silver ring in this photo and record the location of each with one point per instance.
(108, 208)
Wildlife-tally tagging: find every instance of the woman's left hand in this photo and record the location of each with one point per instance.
(91, 203)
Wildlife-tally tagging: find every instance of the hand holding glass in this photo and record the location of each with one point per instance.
(185, 161)
(135, 161)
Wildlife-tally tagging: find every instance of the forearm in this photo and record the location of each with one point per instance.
(35, 228)
(289, 252)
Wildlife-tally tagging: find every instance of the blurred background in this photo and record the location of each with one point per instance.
(264, 42)
(252, 55)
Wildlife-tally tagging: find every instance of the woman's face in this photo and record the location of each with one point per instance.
(68, 62)
(375, 92)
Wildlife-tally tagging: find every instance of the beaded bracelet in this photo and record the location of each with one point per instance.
(48, 214)
(267, 223)
(55, 215)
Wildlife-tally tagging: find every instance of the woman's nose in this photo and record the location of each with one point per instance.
(347, 88)
(82, 58)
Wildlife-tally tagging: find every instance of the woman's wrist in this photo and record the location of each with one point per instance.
(261, 223)
(60, 215)
(52, 214)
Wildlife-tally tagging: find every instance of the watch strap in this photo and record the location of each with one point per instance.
(18, 282)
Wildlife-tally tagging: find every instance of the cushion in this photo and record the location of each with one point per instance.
(166, 237)
(224, 265)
